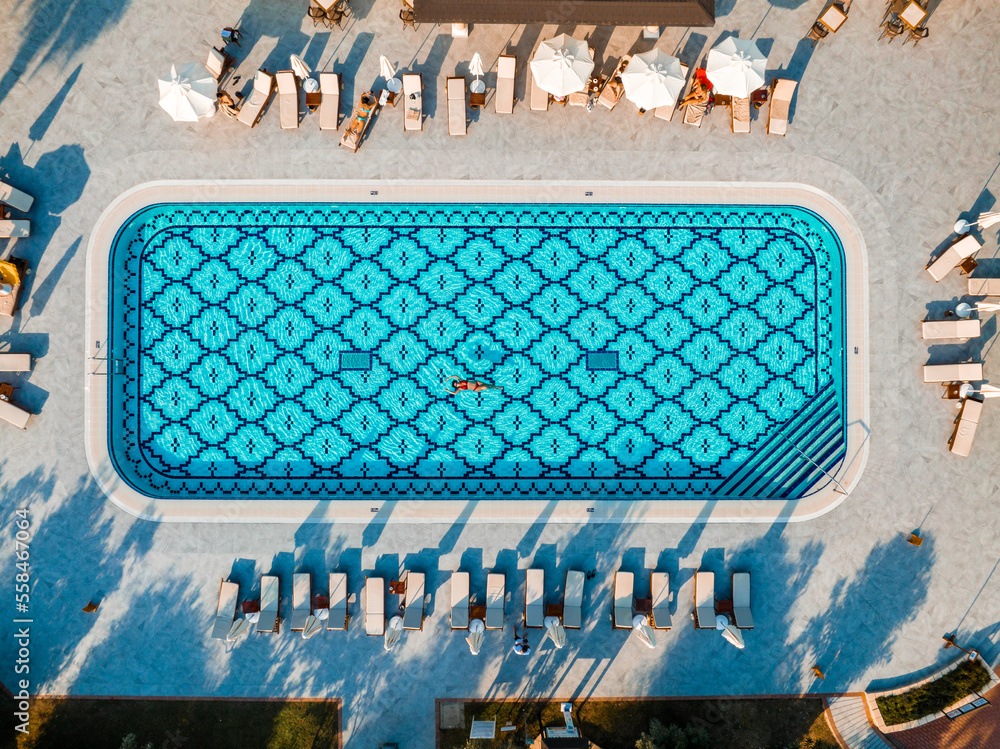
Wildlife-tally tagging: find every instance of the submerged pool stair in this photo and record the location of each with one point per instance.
(777, 469)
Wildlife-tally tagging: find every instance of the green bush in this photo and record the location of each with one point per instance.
(673, 737)
(934, 696)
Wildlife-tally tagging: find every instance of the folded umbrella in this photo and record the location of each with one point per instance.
(640, 625)
(240, 627)
(387, 71)
(729, 633)
(475, 638)
(555, 631)
(393, 631)
(312, 626)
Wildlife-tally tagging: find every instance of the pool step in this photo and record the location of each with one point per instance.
(777, 469)
(850, 718)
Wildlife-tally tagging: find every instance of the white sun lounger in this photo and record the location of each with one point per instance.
(263, 88)
(965, 432)
(459, 600)
(496, 591)
(329, 104)
(225, 611)
(539, 97)
(504, 96)
(288, 99)
(782, 91)
(15, 228)
(456, 106)
(15, 198)
(534, 598)
(740, 110)
(270, 595)
(413, 611)
(413, 103)
(624, 595)
(301, 594)
(338, 601)
(573, 600)
(741, 600)
(704, 600)
(14, 415)
(15, 362)
(984, 287)
(950, 329)
(694, 114)
(667, 112)
(967, 372)
(218, 62)
(659, 588)
(374, 606)
(964, 248)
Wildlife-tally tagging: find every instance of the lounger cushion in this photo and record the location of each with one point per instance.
(456, 107)
(573, 600)
(375, 606)
(951, 329)
(301, 604)
(534, 598)
(14, 415)
(967, 372)
(704, 600)
(965, 432)
(984, 287)
(741, 600)
(459, 600)
(965, 247)
(413, 103)
(781, 100)
(338, 601)
(624, 593)
(741, 115)
(225, 611)
(15, 362)
(263, 86)
(288, 99)
(329, 106)
(495, 594)
(539, 100)
(413, 613)
(16, 199)
(659, 587)
(504, 97)
(269, 595)
(694, 114)
(15, 228)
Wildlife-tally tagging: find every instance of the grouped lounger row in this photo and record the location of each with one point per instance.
(333, 609)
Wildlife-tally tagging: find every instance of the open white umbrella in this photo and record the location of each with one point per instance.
(240, 627)
(985, 221)
(729, 633)
(562, 65)
(312, 626)
(387, 71)
(475, 638)
(393, 631)
(653, 79)
(736, 67)
(640, 625)
(554, 629)
(189, 92)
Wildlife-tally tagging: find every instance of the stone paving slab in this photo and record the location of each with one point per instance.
(904, 137)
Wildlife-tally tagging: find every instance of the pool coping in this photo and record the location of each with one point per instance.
(821, 500)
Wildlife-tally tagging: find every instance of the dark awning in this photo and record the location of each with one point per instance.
(587, 12)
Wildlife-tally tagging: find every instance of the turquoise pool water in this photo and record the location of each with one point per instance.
(302, 350)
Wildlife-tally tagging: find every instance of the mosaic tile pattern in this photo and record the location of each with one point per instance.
(306, 350)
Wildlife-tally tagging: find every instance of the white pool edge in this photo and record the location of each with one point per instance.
(627, 510)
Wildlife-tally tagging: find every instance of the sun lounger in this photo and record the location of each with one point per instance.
(504, 96)
(614, 89)
(338, 601)
(301, 600)
(459, 600)
(496, 591)
(667, 112)
(965, 432)
(288, 99)
(534, 598)
(964, 248)
(966, 372)
(14, 415)
(704, 600)
(741, 600)
(16, 199)
(263, 87)
(456, 106)
(932, 330)
(15, 362)
(741, 115)
(413, 601)
(225, 610)
(15, 228)
(573, 600)
(329, 106)
(363, 113)
(218, 62)
(782, 91)
(539, 98)
(984, 287)
(624, 595)
(578, 98)
(270, 596)
(374, 606)
(659, 588)
(413, 102)
(694, 114)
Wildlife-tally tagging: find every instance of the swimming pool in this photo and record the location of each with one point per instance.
(305, 350)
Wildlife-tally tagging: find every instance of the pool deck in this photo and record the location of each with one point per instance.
(903, 137)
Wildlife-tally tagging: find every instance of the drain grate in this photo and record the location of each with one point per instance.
(602, 360)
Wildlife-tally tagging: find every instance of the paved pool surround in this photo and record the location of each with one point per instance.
(499, 496)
